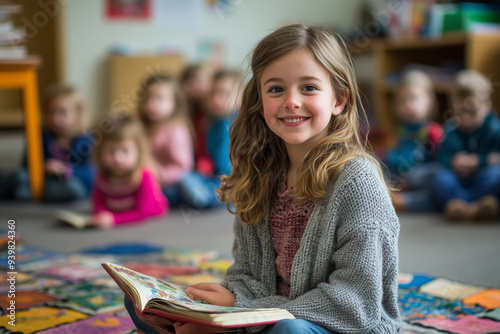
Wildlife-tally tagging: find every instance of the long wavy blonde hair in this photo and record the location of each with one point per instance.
(256, 153)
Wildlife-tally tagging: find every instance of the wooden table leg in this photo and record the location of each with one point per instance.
(33, 133)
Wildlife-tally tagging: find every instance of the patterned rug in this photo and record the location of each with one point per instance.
(71, 293)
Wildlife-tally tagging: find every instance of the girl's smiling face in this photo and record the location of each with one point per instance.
(298, 98)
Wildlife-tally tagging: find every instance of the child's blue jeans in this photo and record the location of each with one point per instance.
(417, 197)
(281, 327)
(447, 185)
(194, 190)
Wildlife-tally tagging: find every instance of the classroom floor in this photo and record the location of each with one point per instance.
(469, 253)
(428, 244)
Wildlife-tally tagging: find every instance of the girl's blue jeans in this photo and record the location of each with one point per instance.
(298, 326)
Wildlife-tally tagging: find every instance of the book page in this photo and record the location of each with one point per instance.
(149, 287)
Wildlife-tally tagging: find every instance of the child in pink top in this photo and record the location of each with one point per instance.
(125, 189)
(164, 113)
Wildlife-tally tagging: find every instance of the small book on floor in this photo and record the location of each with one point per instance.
(151, 295)
(73, 219)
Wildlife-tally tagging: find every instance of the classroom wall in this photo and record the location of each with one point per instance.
(89, 36)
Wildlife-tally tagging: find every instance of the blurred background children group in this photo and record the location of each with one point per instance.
(172, 150)
(454, 168)
(135, 164)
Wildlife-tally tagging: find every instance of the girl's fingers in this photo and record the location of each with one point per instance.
(207, 286)
(207, 296)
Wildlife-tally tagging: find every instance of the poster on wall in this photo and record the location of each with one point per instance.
(128, 9)
(180, 16)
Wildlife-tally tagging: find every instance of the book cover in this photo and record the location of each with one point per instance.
(151, 295)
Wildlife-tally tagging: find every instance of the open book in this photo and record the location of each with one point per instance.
(73, 219)
(151, 295)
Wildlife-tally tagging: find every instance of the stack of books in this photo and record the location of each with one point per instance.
(433, 18)
(12, 42)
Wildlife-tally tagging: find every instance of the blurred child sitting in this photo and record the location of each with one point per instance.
(125, 189)
(163, 111)
(66, 150)
(412, 162)
(222, 105)
(196, 82)
(469, 187)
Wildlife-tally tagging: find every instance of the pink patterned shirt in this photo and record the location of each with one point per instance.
(288, 222)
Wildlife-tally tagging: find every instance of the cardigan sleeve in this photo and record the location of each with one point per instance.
(350, 302)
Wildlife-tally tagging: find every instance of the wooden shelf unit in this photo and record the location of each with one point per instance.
(480, 52)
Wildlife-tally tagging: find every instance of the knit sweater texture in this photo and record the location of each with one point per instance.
(344, 275)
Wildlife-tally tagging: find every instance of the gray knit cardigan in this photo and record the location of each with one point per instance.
(344, 275)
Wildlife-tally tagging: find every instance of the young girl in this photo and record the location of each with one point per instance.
(163, 110)
(125, 189)
(315, 231)
(66, 150)
(412, 162)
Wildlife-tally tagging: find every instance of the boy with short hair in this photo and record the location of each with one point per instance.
(469, 187)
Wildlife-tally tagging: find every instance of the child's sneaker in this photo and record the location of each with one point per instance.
(459, 210)
(487, 208)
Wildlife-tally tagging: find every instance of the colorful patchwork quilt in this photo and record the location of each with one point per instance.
(71, 293)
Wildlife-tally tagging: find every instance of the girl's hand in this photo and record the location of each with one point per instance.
(54, 166)
(212, 293)
(103, 219)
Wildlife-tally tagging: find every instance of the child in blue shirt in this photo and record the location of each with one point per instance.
(222, 104)
(66, 150)
(412, 160)
(469, 187)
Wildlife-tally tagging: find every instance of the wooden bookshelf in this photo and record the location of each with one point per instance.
(480, 52)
